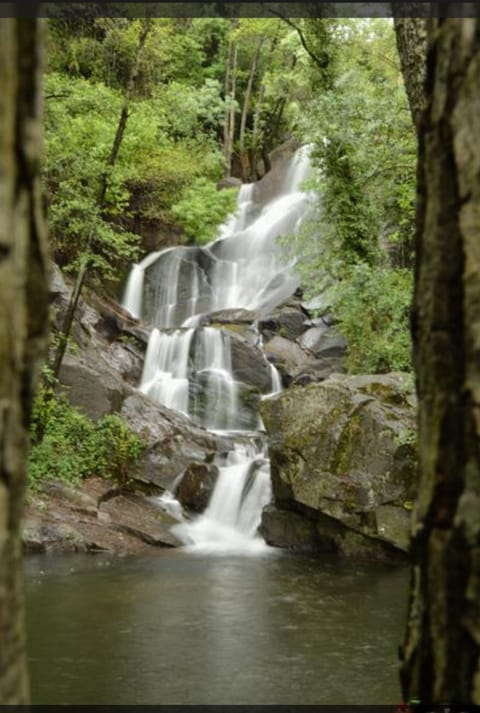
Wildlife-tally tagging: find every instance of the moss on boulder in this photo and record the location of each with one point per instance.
(344, 449)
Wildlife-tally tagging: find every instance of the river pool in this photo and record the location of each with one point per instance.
(189, 628)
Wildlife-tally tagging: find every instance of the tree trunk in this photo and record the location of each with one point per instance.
(244, 161)
(411, 35)
(23, 319)
(441, 652)
(230, 118)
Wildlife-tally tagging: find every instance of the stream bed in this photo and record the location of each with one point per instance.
(184, 627)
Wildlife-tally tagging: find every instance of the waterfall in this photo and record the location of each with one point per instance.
(133, 297)
(165, 371)
(231, 519)
(188, 367)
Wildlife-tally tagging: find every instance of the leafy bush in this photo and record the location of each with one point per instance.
(68, 446)
(203, 209)
(372, 305)
(152, 169)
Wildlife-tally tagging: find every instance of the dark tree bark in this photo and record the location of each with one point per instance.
(441, 652)
(23, 318)
(411, 35)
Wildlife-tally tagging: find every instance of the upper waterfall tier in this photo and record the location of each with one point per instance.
(242, 268)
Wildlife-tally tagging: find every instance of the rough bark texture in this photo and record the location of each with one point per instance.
(441, 653)
(23, 313)
(411, 34)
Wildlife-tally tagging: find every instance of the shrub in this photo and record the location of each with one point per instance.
(203, 209)
(69, 446)
(373, 305)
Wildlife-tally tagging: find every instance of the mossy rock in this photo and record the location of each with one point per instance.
(344, 449)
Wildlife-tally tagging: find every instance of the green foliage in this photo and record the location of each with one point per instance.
(68, 446)
(203, 209)
(364, 144)
(151, 170)
(356, 247)
(372, 305)
(79, 134)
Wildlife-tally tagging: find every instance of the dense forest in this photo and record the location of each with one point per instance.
(143, 118)
(289, 419)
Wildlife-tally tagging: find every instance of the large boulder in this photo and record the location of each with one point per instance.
(271, 183)
(342, 455)
(289, 320)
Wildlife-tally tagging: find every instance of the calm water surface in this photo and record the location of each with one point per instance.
(185, 628)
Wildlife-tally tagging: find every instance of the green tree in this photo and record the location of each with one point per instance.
(356, 248)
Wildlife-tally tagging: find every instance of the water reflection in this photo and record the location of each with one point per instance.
(180, 628)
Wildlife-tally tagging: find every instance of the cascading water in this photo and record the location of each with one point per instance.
(189, 367)
(231, 519)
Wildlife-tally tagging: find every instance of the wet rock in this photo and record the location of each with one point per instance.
(287, 356)
(316, 371)
(140, 517)
(239, 322)
(343, 449)
(288, 321)
(311, 338)
(81, 518)
(112, 322)
(269, 186)
(249, 364)
(196, 487)
(173, 442)
(57, 537)
(190, 268)
(289, 530)
(328, 343)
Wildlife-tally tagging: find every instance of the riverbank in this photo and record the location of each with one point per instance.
(96, 516)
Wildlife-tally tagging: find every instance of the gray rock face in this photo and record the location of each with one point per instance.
(57, 284)
(269, 185)
(174, 444)
(288, 320)
(341, 453)
(249, 364)
(94, 516)
(94, 390)
(289, 530)
(287, 356)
